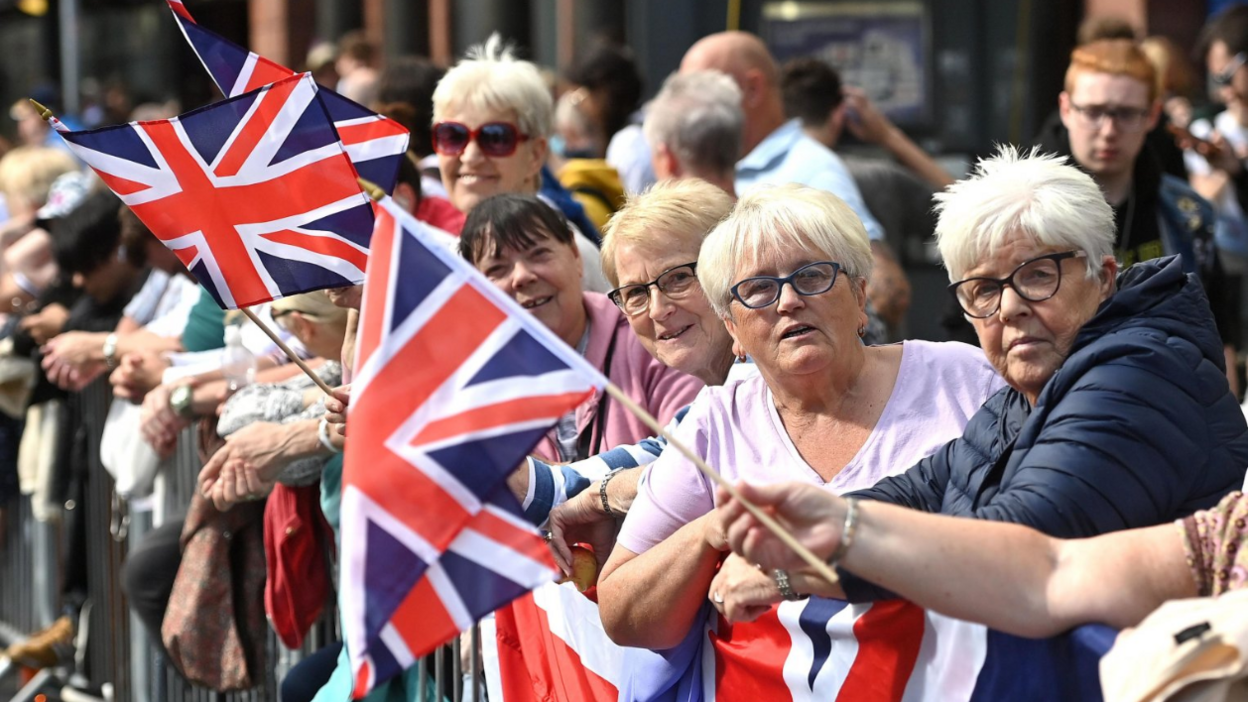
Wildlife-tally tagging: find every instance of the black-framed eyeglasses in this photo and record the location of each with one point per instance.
(763, 290)
(1224, 77)
(1128, 119)
(1035, 280)
(675, 282)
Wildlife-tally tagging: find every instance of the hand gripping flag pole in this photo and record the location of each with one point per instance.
(56, 124)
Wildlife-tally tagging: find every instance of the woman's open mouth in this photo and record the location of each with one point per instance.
(536, 302)
(796, 332)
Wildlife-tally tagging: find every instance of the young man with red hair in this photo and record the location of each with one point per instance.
(1110, 103)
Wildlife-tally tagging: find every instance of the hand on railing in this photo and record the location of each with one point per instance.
(158, 423)
(247, 466)
(137, 374)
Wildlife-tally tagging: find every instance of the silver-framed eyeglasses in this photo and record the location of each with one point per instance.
(1128, 119)
(763, 290)
(675, 282)
(1035, 280)
(1224, 77)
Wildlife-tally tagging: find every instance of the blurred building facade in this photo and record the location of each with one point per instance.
(981, 71)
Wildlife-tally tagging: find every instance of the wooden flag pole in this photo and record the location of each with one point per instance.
(287, 350)
(814, 561)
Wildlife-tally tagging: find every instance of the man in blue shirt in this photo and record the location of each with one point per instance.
(776, 149)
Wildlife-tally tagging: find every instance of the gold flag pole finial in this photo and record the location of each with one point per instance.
(44, 112)
(371, 189)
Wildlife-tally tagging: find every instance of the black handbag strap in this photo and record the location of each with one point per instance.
(589, 443)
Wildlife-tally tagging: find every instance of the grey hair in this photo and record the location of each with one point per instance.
(779, 217)
(490, 77)
(1013, 191)
(698, 117)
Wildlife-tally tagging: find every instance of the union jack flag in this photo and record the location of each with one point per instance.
(454, 384)
(254, 194)
(374, 143)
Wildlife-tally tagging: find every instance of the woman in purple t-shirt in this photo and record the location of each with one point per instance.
(786, 271)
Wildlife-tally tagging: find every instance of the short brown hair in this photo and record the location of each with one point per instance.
(1118, 57)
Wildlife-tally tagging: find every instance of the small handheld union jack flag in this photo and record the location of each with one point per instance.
(374, 143)
(454, 384)
(254, 194)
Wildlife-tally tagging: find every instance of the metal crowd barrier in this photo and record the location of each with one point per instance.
(119, 653)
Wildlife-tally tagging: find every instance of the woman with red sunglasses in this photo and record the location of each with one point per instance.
(492, 119)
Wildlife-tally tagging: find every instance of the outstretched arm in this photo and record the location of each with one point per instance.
(1006, 576)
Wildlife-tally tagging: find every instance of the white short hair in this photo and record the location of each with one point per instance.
(1040, 195)
(779, 217)
(698, 117)
(490, 77)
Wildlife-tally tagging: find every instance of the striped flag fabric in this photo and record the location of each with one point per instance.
(254, 194)
(373, 142)
(550, 647)
(454, 384)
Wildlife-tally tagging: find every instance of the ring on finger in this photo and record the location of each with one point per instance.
(718, 598)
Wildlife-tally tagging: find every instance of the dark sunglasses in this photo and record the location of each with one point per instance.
(495, 139)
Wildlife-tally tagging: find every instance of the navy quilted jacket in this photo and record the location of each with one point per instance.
(1136, 428)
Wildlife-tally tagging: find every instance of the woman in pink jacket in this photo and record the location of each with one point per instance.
(527, 249)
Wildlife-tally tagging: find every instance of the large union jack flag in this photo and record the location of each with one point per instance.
(374, 143)
(454, 384)
(254, 194)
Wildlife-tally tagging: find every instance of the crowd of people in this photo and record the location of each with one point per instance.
(712, 254)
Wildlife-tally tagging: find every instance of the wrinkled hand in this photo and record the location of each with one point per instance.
(67, 360)
(46, 323)
(812, 515)
(741, 591)
(137, 374)
(336, 408)
(581, 520)
(246, 467)
(158, 423)
(865, 121)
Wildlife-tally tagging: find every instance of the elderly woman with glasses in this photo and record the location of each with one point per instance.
(786, 273)
(1117, 415)
(492, 119)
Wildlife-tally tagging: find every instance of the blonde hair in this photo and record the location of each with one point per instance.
(778, 217)
(490, 77)
(1039, 195)
(1117, 57)
(315, 306)
(681, 210)
(27, 172)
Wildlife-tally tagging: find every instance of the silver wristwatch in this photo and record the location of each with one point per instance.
(180, 400)
(110, 350)
(782, 582)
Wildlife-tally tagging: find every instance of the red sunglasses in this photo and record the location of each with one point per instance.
(495, 139)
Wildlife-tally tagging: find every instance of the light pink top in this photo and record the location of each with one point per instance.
(736, 429)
